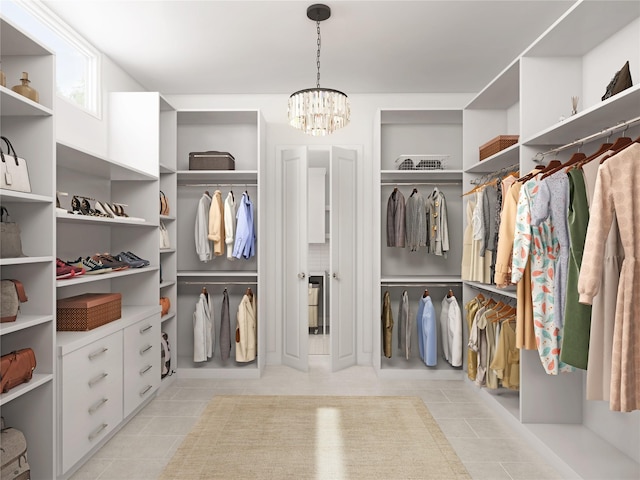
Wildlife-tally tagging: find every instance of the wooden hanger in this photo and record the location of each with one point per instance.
(537, 170)
(249, 293)
(450, 294)
(425, 294)
(575, 158)
(620, 144)
(480, 297)
(603, 148)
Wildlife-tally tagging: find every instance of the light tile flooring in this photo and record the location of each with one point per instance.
(488, 446)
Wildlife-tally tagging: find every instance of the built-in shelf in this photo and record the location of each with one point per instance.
(24, 321)
(167, 250)
(508, 157)
(220, 176)
(37, 380)
(14, 104)
(70, 217)
(167, 284)
(168, 316)
(449, 280)
(165, 169)
(10, 195)
(68, 282)
(81, 160)
(409, 176)
(216, 273)
(507, 292)
(24, 260)
(167, 218)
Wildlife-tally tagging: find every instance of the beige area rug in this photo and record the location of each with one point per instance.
(315, 437)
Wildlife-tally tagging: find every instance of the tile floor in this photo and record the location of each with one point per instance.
(489, 447)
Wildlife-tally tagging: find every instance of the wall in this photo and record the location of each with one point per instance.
(358, 132)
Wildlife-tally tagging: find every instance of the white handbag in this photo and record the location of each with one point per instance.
(14, 174)
(164, 236)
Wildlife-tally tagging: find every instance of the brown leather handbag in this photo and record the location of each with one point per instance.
(16, 368)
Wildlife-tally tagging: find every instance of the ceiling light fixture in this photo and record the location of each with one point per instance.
(318, 111)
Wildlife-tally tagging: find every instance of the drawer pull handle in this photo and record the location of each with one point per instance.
(94, 408)
(145, 390)
(146, 328)
(145, 349)
(146, 369)
(98, 353)
(97, 431)
(97, 379)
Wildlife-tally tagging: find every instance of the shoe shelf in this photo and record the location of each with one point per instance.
(37, 380)
(10, 195)
(14, 104)
(68, 282)
(24, 321)
(24, 260)
(70, 217)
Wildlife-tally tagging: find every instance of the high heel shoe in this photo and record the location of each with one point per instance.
(75, 206)
(101, 208)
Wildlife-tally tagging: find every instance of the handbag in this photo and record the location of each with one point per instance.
(164, 204)
(13, 448)
(620, 81)
(405, 163)
(16, 368)
(165, 303)
(10, 242)
(12, 294)
(164, 236)
(14, 174)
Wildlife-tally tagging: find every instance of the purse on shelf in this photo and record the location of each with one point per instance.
(16, 368)
(13, 445)
(12, 295)
(164, 204)
(620, 81)
(10, 242)
(14, 174)
(404, 163)
(165, 303)
(164, 236)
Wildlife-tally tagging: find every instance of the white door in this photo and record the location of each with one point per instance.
(343, 258)
(294, 255)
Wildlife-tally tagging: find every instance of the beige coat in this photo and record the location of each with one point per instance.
(616, 193)
(216, 224)
(246, 329)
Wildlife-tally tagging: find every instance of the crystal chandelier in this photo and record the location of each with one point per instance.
(318, 111)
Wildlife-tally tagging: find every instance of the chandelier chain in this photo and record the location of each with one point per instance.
(318, 54)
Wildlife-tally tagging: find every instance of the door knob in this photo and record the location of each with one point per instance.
(301, 276)
(335, 275)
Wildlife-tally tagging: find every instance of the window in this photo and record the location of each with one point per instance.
(77, 62)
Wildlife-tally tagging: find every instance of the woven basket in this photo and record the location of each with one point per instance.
(87, 311)
(497, 144)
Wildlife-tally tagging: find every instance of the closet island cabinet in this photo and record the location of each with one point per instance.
(433, 137)
(242, 134)
(576, 57)
(30, 407)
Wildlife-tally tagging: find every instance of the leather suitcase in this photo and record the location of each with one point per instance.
(16, 368)
(88, 311)
(211, 160)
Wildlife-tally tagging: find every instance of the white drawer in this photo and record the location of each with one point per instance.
(91, 396)
(141, 362)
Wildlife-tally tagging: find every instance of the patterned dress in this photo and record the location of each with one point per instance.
(539, 244)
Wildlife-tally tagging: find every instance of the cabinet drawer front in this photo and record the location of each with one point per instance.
(141, 363)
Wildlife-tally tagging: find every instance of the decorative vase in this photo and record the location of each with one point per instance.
(25, 90)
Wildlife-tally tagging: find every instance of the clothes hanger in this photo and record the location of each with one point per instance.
(536, 171)
(249, 293)
(620, 144)
(575, 158)
(603, 148)
(415, 190)
(425, 294)
(450, 294)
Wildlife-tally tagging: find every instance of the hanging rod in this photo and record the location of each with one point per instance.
(407, 184)
(488, 176)
(218, 283)
(539, 157)
(239, 184)
(420, 284)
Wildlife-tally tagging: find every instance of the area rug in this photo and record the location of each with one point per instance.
(315, 437)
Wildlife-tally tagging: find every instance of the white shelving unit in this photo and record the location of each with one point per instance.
(577, 56)
(397, 133)
(240, 132)
(31, 407)
(130, 364)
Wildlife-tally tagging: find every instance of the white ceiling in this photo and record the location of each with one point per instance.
(208, 46)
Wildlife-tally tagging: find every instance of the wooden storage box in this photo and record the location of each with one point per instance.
(211, 160)
(88, 311)
(497, 144)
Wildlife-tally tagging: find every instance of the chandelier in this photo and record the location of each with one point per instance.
(318, 111)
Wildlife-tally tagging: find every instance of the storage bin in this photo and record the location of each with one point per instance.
(497, 144)
(87, 311)
(211, 160)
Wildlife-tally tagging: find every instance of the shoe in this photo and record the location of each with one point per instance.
(91, 266)
(100, 208)
(132, 262)
(110, 261)
(75, 206)
(135, 257)
(65, 270)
